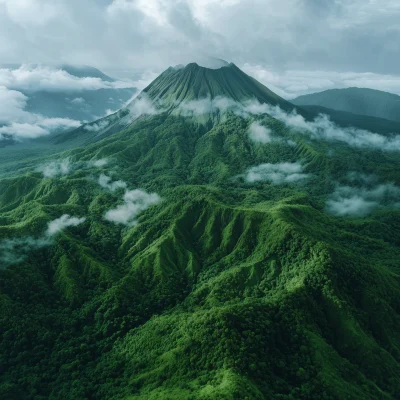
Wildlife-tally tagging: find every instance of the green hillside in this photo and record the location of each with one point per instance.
(363, 101)
(210, 264)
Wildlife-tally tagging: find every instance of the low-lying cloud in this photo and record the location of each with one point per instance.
(361, 201)
(135, 201)
(56, 168)
(277, 174)
(206, 105)
(107, 183)
(62, 223)
(14, 251)
(292, 83)
(140, 105)
(20, 124)
(44, 78)
(97, 126)
(65, 166)
(259, 133)
(321, 128)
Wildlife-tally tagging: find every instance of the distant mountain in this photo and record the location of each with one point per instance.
(83, 71)
(374, 103)
(347, 119)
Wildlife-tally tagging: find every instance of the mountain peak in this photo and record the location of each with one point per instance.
(193, 82)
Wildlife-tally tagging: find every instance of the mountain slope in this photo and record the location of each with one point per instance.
(194, 82)
(226, 288)
(362, 101)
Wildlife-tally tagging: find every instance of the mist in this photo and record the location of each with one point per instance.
(277, 174)
(135, 201)
(64, 167)
(16, 250)
(353, 201)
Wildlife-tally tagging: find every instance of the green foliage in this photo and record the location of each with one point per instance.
(223, 290)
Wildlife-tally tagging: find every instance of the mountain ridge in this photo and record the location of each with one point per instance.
(361, 101)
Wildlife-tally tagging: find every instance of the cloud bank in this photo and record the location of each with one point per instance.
(292, 83)
(20, 124)
(65, 166)
(135, 201)
(321, 128)
(277, 174)
(361, 201)
(28, 78)
(352, 35)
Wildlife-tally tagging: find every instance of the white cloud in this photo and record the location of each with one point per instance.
(58, 123)
(30, 12)
(59, 224)
(259, 133)
(360, 201)
(97, 163)
(21, 124)
(141, 105)
(206, 106)
(42, 127)
(78, 101)
(323, 128)
(56, 168)
(65, 166)
(107, 183)
(292, 83)
(14, 251)
(276, 173)
(359, 34)
(12, 107)
(25, 131)
(44, 78)
(135, 201)
(97, 126)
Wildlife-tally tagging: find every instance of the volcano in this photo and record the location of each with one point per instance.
(193, 82)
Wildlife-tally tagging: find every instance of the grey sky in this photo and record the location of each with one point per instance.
(295, 46)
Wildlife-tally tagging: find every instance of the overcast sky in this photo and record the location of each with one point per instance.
(293, 46)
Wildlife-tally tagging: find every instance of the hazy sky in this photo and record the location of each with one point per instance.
(294, 46)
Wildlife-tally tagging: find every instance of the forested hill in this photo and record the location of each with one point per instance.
(210, 246)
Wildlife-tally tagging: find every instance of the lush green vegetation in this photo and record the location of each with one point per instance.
(223, 290)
